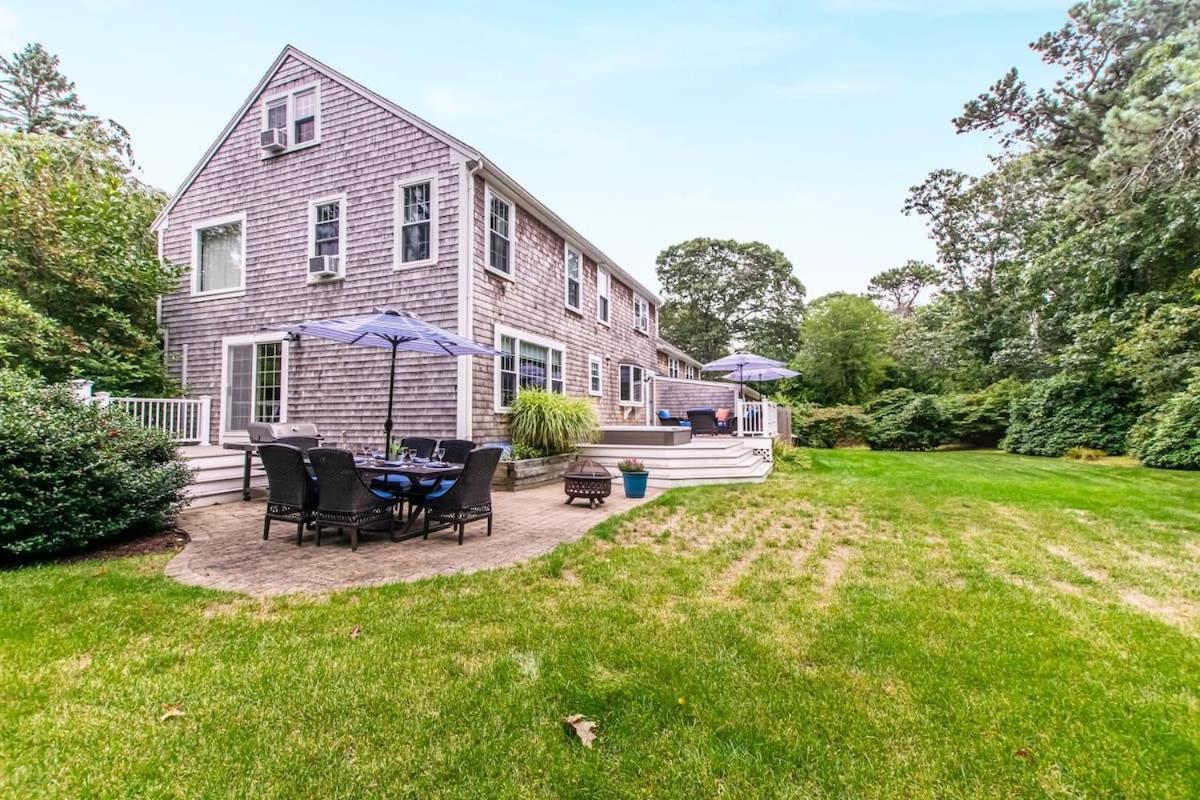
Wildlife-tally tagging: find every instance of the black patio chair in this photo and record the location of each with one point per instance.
(455, 450)
(345, 500)
(469, 497)
(291, 491)
(704, 421)
(305, 443)
(420, 445)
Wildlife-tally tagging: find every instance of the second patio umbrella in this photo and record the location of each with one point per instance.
(395, 330)
(740, 363)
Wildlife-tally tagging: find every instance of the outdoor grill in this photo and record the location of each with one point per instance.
(587, 480)
(263, 432)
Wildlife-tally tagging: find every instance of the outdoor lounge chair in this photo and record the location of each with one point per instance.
(704, 421)
(291, 491)
(469, 497)
(455, 450)
(344, 500)
(665, 419)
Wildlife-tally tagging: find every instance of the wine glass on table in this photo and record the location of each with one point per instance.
(439, 453)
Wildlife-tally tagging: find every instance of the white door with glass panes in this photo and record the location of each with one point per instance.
(254, 386)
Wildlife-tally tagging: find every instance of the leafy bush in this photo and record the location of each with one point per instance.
(551, 423)
(72, 475)
(901, 419)
(830, 427)
(787, 455)
(1085, 454)
(1169, 438)
(980, 419)
(1070, 409)
(519, 451)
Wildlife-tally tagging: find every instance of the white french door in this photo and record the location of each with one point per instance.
(254, 383)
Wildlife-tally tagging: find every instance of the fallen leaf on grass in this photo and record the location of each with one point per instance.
(582, 729)
(1024, 752)
(170, 712)
(356, 631)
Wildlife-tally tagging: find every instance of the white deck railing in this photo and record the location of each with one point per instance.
(184, 419)
(756, 417)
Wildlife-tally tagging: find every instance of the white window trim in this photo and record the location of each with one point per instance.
(521, 336)
(568, 248)
(488, 195)
(646, 330)
(595, 359)
(312, 235)
(223, 435)
(290, 96)
(398, 221)
(690, 373)
(231, 291)
(608, 295)
(673, 365)
(631, 403)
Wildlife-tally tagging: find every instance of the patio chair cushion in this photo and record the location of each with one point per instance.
(441, 490)
(723, 414)
(393, 482)
(384, 493)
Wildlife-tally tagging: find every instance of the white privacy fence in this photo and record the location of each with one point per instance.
(185, 419)
(756, 417)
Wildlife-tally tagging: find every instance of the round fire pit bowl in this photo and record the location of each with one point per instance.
(587, 480)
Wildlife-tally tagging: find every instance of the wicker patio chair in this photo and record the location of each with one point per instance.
(422, 446)
(469, 498)
(305, 443)
(456, 450)
(291, 491)
(704, 421)
(345, 501)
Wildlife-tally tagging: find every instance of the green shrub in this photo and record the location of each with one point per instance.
(831, 427)
(1070, 409)
(1085, 454)
(901, 419)
(1169, 438)
(551, 423)
(72, 475)
(519, 451)
(980, 419)
(788, 456)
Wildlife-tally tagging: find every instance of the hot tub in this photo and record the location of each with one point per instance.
(659, 436)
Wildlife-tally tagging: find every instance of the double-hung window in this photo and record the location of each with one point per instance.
(327, 231)
(501, 230)
(595, 376)
(527, 362)
(297, 113)
(573, 275)
(603, 295)
(218, 255)
(691, 372)
(641, 314)
(416, 222)
(632, 385)
(672, 367)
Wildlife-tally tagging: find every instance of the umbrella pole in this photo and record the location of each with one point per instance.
(387, 425)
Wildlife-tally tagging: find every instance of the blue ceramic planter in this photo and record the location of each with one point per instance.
(635, 483)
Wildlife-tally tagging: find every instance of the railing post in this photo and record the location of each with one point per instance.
(102, 399)
(204, 420)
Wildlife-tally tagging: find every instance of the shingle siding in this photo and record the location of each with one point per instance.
(363, 150)
(534, 302)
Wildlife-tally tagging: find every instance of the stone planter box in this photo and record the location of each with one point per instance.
(512, 476)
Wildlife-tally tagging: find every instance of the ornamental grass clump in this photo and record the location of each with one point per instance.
(551, 423)
(74, 474)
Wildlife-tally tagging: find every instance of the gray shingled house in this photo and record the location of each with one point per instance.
(321, 198)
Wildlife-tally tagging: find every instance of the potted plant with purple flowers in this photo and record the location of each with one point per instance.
(634, 475)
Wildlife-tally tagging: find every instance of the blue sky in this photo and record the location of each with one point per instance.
(798, 124)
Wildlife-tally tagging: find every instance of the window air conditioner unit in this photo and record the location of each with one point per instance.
(322, 266)
(273, 140)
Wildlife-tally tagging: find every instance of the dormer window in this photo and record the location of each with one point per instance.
(292, 120)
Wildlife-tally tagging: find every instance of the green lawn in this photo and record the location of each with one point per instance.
(955, 624)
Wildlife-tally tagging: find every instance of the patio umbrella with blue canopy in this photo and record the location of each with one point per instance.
(761, 374)
(397, 330)
(740, 363)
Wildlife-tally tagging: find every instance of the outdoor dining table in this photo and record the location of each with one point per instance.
(416, 472)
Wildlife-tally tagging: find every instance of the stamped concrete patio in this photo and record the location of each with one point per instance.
(226, 549)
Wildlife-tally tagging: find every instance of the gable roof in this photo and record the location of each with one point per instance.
(465, 151)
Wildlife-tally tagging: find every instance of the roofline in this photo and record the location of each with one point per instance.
(668, 347)
(548, 217)
(465, 151)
